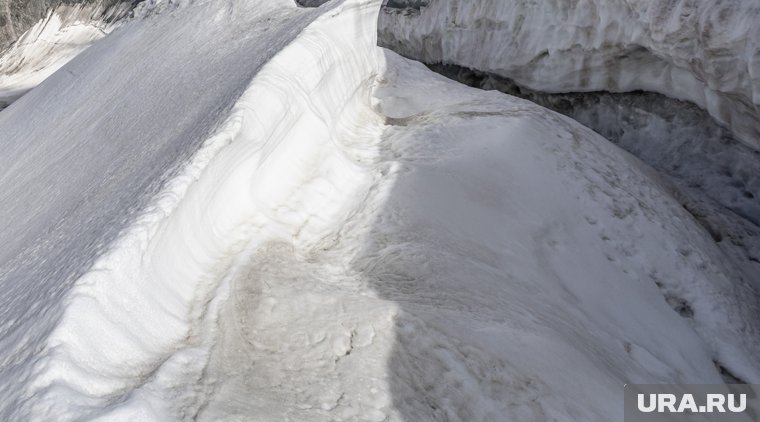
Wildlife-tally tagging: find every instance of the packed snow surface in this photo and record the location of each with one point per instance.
(245, 209)
(703, 51)
(714, 176)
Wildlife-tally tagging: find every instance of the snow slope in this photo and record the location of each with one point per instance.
(538, 266)
(18, 16)
(43, 49)
(61, 35)
(87, 149)
(501, 251)
(714, 176)
(706, 52)
(263, 215)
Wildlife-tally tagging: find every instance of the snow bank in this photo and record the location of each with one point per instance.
(287, 165)
(705, 52)
(358, 239)
(86, 151)
(484, 248)
(537, 266)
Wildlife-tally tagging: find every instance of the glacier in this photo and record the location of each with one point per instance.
(244, 209)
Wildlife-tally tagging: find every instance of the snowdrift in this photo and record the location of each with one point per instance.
(705, 52)
(278, 219)
(84, 154)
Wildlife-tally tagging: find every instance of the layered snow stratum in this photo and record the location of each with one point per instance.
(245, 209)
(703, 51)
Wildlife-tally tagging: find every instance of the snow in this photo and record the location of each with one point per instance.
(703, 51)
(83, 154)
(714, 176)
(526, 253)
(65, 32)
(676, 138)
(245, 209)
(45, 48)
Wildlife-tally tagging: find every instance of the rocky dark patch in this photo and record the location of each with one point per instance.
(311, 3)
(728, 376)
(405, 4)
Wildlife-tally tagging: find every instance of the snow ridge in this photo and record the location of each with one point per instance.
(236, 192)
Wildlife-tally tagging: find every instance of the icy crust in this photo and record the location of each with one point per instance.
(704, 51)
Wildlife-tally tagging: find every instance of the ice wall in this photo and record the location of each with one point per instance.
(706, 52)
